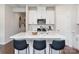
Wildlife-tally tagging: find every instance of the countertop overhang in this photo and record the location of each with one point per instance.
(25, 35)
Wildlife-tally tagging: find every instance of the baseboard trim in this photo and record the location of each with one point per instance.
(3, 43)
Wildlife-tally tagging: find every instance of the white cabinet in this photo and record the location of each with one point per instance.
(64, 21)
(36, 13)
(77, 14)
(41, 12)
(76, 42)
(32, 16)
(46, 13)
(50, 17)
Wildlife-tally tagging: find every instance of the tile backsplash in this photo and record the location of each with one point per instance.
(33, 27)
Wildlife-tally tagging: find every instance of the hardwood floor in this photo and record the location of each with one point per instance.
(8, 49)
(70, 50)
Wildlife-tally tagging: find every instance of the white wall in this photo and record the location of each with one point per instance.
(8, 23)
(2, 23)
(27, 17)
(19, 10)
(11, 23)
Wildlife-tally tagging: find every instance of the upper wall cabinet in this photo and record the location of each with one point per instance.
(41, 12)
(32, 15)
(50, 15)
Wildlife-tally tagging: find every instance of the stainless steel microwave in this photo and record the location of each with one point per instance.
(41, 21)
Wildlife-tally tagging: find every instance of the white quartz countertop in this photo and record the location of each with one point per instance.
(24, 35)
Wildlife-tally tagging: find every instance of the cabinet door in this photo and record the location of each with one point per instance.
(77, 14)
(50, 17)
(76, 43)
(41, 13)
(32, 17)
(64, 21)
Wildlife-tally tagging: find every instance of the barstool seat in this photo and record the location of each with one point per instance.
(20, 45)
(57, 45)
(39, 45)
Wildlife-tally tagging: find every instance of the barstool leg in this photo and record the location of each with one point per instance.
(59, 52)
(28, 51)
(33, 51)
(49, 50)
(18, 51)
(44, 51)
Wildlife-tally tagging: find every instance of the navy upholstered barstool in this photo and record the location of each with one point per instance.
(57, 45)
(39, 45)
(20, 45)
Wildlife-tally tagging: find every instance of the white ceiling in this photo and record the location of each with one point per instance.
(24, 5)
(17, 5)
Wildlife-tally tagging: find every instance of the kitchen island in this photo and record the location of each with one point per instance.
(29, 37)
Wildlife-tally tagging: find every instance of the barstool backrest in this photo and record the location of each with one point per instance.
(19, 44)
(58, 44)
(39, 44)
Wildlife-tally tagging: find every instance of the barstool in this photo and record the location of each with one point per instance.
(39, 45)
(57, 45)
(21, 45)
